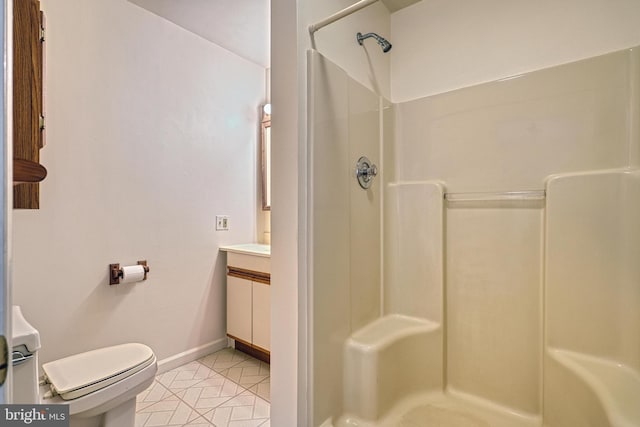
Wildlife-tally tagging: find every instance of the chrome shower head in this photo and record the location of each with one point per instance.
(384, 43)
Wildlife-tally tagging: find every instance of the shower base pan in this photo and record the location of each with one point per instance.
(393, 378)
(443, 410)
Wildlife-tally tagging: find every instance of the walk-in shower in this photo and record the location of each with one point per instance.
(488, 275)
(506, 299)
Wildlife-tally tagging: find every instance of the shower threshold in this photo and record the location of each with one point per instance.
(444, 410)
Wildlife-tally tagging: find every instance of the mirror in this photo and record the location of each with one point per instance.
(265, 142)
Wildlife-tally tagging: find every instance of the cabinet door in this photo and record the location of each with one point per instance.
(239, 308)
(262, 315)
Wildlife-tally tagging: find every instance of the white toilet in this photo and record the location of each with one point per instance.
(100, 386)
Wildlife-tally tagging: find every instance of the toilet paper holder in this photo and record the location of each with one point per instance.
(116, 272)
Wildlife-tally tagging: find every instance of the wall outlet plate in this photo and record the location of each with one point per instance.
(222, 222)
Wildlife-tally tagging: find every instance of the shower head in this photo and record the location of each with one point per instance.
(384, 43)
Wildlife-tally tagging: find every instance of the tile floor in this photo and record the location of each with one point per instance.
(226, 388)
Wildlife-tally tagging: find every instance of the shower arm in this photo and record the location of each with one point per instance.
(384, 43)
(341, 14)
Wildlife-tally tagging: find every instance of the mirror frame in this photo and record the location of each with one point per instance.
(265, 150)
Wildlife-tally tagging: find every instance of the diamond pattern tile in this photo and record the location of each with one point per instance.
(224, 359)
(155, 393)
(248, 372)
(245, 409)
(262, 389)
(224, 389)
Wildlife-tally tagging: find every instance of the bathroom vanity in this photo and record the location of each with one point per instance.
(249, 298)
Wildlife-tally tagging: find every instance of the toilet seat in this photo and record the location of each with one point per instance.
(81, 374)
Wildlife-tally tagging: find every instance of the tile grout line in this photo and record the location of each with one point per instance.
(173, 412)
(246, 389)
(200, 414)
(241, 389)
(248, 357)
(199, 411)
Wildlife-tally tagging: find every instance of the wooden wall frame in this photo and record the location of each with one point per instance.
(28, 115)
(265, 153)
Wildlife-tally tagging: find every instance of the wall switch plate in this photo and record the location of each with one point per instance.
(222, 222)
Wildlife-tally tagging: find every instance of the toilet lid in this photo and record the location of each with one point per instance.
(84, 373)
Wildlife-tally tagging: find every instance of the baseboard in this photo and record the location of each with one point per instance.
(190, 355)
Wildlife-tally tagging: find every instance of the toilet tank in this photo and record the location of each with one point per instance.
(26, 343)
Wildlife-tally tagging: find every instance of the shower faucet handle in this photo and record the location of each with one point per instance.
(365, 172)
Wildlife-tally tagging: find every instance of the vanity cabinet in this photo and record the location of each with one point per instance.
(249, 303)
(261, 322)
(239, 308)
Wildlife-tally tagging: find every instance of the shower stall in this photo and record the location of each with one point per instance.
(489, 274)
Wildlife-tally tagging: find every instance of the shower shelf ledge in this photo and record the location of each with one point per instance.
(388, 329)
(496, 196)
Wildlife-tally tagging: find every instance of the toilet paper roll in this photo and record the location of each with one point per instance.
(132, 273)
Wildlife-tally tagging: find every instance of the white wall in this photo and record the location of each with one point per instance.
(152, 131)
(440, 45)
(288, 389)
(366, 64)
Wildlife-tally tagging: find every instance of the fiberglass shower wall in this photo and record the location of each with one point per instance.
(533, 290)
(345, 224)
(532, 306)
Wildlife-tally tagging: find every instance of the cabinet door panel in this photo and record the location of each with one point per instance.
(239, 308)
(262, 315)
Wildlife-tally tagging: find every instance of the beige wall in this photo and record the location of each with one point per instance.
(291, 387)
(592, 276)
(151, 133)
(511, 134)
(443, 45)
(413, 250)
(345, 225)
(508, 136)
(494, 287)
(592, 298)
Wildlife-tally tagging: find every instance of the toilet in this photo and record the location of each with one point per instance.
(100, 386)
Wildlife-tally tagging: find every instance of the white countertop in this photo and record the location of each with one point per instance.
(257, 249)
